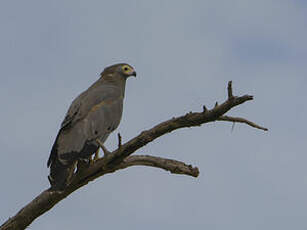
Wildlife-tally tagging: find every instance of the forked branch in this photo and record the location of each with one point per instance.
(120, 158)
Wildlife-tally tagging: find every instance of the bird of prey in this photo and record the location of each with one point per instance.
(90, 119)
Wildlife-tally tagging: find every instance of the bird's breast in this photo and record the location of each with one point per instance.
(104, 117)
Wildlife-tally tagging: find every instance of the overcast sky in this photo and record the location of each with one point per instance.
(184, 52)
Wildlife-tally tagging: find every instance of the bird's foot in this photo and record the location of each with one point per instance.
(104, 149)
(95, 157)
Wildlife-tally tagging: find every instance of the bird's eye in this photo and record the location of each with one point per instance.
(126, 69)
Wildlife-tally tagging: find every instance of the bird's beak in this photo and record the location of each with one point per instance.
(133, 74)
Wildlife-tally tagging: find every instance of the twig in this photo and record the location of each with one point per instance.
(119, 140)
(241, 120)
(204, 109)
(229, 90)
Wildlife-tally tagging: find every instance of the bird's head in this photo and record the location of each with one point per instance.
(121, 70)
(126, 70)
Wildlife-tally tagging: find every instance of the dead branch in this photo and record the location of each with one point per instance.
(176, 167)
(120, 158)
(241, 120)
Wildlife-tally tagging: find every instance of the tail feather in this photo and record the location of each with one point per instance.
(60, 174)
(62, 167)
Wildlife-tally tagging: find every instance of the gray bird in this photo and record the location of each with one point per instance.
(92, 116)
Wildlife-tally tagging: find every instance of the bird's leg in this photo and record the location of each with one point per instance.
(96, 156)
(105, 151)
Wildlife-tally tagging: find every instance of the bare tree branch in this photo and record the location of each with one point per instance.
(241, 120)
(121, 158)
(176, 167)
(47, 199)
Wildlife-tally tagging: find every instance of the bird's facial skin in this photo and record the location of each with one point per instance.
(127, 70)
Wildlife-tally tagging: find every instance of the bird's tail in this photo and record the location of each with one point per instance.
(60, 175)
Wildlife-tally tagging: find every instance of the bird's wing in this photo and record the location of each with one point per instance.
(84, 103)
(74, 111)
(80, 108)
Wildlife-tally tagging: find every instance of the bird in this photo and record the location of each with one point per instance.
(90, 119)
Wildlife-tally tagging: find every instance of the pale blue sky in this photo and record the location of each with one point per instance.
(184, 53)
